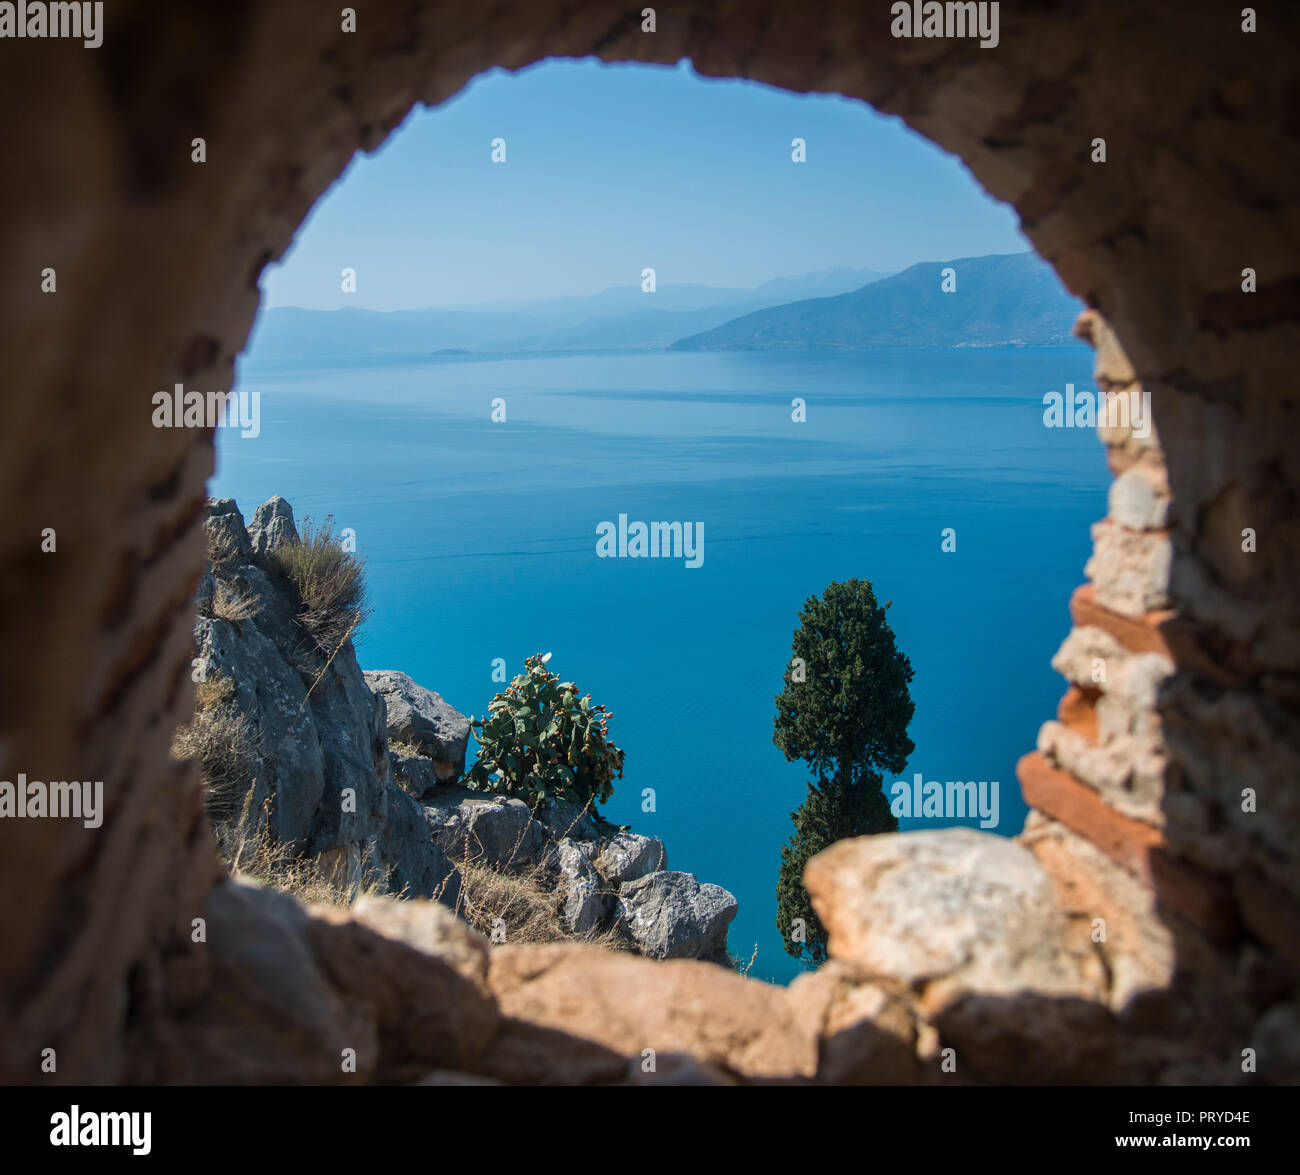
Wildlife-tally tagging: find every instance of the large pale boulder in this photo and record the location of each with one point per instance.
(672, 916)
(970, 927)
(868, 1032)
(952, 909)
(427, 927)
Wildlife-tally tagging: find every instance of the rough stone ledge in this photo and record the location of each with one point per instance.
(623, 1005)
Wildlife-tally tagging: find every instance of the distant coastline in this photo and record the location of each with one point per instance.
(1000, 300)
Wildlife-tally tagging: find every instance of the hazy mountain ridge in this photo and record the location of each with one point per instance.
(618, 318)
(1012, 299)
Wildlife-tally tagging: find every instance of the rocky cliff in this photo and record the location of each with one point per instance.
(360, 770)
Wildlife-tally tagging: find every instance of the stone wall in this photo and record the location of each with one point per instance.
(157, 260)
(1172, 752)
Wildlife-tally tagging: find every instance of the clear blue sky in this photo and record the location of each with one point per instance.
(612, 168)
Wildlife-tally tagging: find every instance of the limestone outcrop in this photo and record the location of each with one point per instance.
(316, 748)
(317, 770)
(672, 916)
(605, 878)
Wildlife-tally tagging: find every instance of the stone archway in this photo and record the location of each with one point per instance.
(156, 261)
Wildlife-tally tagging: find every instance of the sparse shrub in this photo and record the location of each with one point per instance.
(742, 966)
(226, 746)
(329, 582)
(248, 849)
(541, 741)
(410, 750)
(520, 906)
(232, 604)
(222, 549)
(212, 692)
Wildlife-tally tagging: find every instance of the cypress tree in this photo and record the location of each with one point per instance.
(844, 711)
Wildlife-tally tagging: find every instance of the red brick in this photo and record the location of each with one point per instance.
(1138, 634)
(1059, 795)
(1202, 899)
(1078, 711)
(1184, 642)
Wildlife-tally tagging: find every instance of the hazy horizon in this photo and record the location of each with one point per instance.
(512, 303)
(612, 169)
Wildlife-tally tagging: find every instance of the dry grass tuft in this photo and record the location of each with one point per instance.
(520, 906)
(520, 903)
(226, 746)
(248, 849)
(213, 692)
(231, 604)
(222, 551)
(742, 968)
(410, 750)
(329, 581)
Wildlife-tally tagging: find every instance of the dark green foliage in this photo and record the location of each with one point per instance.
(541, 741)
(825, 816)
(844, 711)
(850, 714)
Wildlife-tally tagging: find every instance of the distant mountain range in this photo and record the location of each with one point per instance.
(1012, 299)
(621, 318)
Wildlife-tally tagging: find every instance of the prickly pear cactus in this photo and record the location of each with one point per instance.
(541, 741)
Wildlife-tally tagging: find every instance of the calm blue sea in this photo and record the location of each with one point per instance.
(480, 543)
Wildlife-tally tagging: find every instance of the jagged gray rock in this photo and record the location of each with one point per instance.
(627, 856)
(484, 828)
(272, 526)
(672, 916)
(326, 781)
(562, 818)
(420, 717)
(224, 526)
(586, 902)
(415, 774)
(206, 591)
(322, 779)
